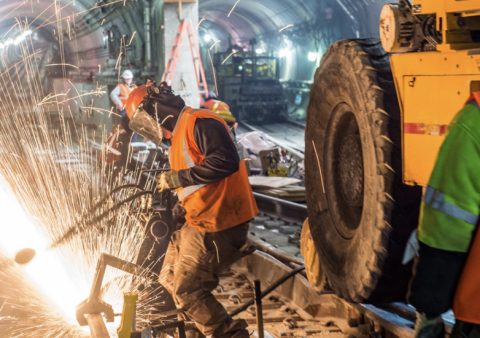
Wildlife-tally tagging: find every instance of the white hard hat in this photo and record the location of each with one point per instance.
(127, 74)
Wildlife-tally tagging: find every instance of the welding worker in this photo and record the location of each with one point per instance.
(449, 218)
(212, 103)
(212, 185)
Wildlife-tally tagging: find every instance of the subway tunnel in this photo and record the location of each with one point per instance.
(320, 164)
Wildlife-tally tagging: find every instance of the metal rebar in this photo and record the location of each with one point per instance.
(267, 291)
(259, 308)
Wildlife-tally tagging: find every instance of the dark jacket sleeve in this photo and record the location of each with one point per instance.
(221, 157)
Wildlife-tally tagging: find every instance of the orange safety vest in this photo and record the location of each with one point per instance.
(214, 206)
(124, 92)
(220, 108)
(466, 304)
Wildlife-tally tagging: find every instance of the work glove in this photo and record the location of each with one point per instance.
(168, 180)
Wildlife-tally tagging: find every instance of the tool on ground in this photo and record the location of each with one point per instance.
(94, 305)
(127, 325)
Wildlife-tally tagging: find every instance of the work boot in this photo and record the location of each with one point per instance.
(429, 327)
(465, 330)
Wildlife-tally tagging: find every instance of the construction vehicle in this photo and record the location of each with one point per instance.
(377, 116)
(250, 85)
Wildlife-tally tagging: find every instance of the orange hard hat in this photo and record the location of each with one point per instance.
(134, 99)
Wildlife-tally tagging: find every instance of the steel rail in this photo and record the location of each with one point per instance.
(291, 211)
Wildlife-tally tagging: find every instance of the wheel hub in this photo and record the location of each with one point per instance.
(344, 151)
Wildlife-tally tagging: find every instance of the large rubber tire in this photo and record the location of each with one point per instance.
(360, 212)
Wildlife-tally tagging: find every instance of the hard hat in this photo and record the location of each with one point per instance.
(127, 74)
(134, 99)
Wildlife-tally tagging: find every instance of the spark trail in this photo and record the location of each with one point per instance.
(49, 177)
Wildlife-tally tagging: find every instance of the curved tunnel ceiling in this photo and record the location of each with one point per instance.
(252, 18)
(85, 25)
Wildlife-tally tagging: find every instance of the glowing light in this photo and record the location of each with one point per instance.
(22, 37)
(259, 51)
(207, 38)
(46, 270)
(284, 52)
(312, 56)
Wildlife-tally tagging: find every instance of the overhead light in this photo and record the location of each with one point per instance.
(284, 52)
(312, 56)
(259, 51)
(207, 38)
(20, 38)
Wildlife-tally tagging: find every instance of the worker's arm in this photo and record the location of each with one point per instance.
(115, 97)
(221, 157)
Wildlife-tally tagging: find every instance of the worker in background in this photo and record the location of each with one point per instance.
(449, 218)
(124, 94)
(120, 93)
(222, 109)
(213, 188)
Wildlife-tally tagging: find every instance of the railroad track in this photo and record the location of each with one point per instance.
(305, 312)
(295, 310)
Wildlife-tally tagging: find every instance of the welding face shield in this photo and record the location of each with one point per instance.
(163, 105)
(145, 125)
(154, 108)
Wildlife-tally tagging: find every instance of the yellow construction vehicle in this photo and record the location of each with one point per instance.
(378, 113)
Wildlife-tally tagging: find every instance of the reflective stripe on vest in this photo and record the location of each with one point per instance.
(187, 191)
(124, 92)
(436, 200)
(218, 205)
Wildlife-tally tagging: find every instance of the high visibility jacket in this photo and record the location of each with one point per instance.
(220, 108)
(215, 206)
(124, 92)
(119, 94)
(451, 205)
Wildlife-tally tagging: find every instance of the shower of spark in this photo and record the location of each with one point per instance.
(233, 8)
(285, 27)
(50, 176)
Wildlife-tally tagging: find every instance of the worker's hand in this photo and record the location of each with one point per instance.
(168, 180)
(120, 107)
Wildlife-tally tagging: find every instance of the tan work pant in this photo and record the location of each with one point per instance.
(189, 274)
